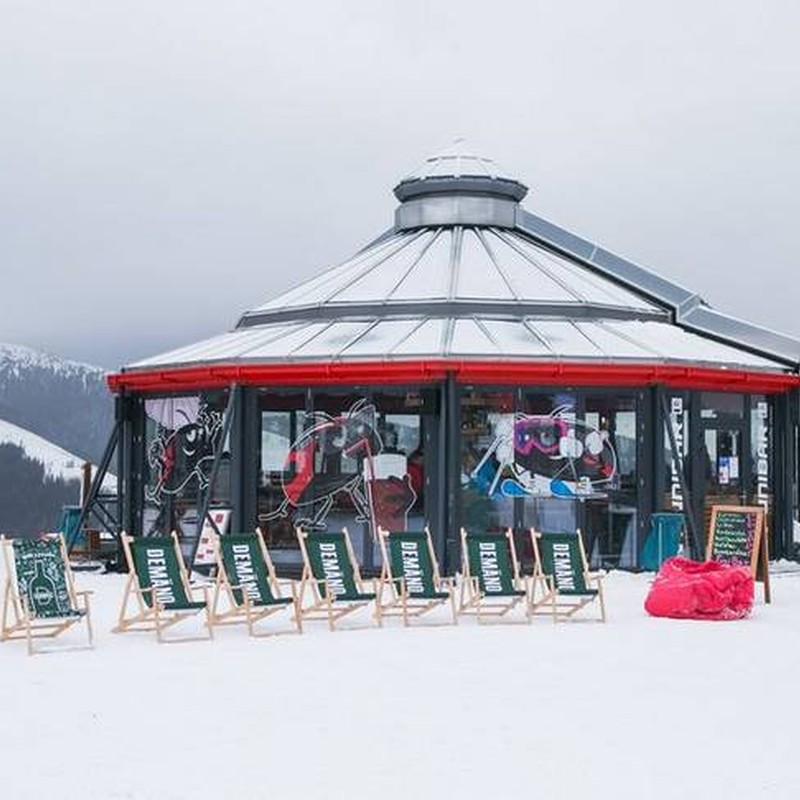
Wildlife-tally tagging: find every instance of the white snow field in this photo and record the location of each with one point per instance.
(636, 708)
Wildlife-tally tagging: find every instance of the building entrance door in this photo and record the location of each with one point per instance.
(721, 465)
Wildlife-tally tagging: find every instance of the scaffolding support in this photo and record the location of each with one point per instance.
(96, 503)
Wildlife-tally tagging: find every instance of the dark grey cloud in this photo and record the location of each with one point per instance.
(167, 165)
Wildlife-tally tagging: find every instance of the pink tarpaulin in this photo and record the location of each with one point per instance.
(685, 589)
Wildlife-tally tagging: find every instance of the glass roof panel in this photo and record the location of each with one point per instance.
(424, 340)
(284, 345)
(478, 276)
(380, 340)
(672, 342)
(430, 278)
(581, 281)
(565, 339)
(187, 353)
(332, 340)
(529, 282)
(234, 344)
(470, 339)
(317, 289)
(377, 283)
(514, 338)
(612, 343)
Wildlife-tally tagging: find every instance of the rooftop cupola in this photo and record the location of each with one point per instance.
(458, 187)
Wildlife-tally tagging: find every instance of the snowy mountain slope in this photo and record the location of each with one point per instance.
(57, 462)
(15, 359)
(64, 401)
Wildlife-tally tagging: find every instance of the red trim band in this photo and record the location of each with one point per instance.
(429, 371)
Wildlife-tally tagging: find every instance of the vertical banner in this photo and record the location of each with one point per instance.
(761, 454)
(677, 421)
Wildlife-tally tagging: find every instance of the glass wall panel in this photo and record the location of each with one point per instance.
(284, 470)
(722, 453)
(489, 473)
(611, 454)
(183, 436)
(554, 461)
(335, 459)
(547, 438)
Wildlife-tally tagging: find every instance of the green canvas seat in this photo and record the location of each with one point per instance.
(410, 576)
(491, 585)
(331, 578)
(247, 584)
(562, 582)
(40, 600)
(158, 587)
(663, 539)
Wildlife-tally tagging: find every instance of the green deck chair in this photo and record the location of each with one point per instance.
(663, 539)
(246, 579)
(562, 578)
(40, 600)
(332, 577)
(410, 574)
(159, 587)
(492, 584)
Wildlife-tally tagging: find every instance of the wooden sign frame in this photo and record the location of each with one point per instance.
(760, 553)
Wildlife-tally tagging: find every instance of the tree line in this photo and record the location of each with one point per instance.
(30, 500)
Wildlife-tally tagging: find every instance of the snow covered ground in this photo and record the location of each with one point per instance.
(638, 708)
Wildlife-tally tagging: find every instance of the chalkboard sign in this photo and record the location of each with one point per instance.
(736, 536)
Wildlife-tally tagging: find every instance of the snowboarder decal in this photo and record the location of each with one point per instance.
(546, 455)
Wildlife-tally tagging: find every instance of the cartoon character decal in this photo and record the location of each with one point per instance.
(313, 477)
(183, 454)
(548, 455)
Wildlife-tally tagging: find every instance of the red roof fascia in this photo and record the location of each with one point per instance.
(428, 371)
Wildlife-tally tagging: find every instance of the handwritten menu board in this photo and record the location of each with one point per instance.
(735, 535)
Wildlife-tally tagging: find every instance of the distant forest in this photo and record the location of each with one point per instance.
(30, 502)
(71, 409)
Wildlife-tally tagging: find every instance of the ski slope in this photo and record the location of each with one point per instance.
(57, 462)
(637, 708)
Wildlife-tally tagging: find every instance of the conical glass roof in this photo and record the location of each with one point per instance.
(453, 267)
(467, 273)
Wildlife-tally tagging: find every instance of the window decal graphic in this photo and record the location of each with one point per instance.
(183, 449)
(315, 474)
(546, 455)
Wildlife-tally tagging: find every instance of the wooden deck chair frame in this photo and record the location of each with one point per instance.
(404, 604)
(324, 604)
(488, 607)
(19, 623)
(247, 611)
(150, 613)
(559, 606)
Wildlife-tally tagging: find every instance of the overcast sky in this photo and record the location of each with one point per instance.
(166, 165)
